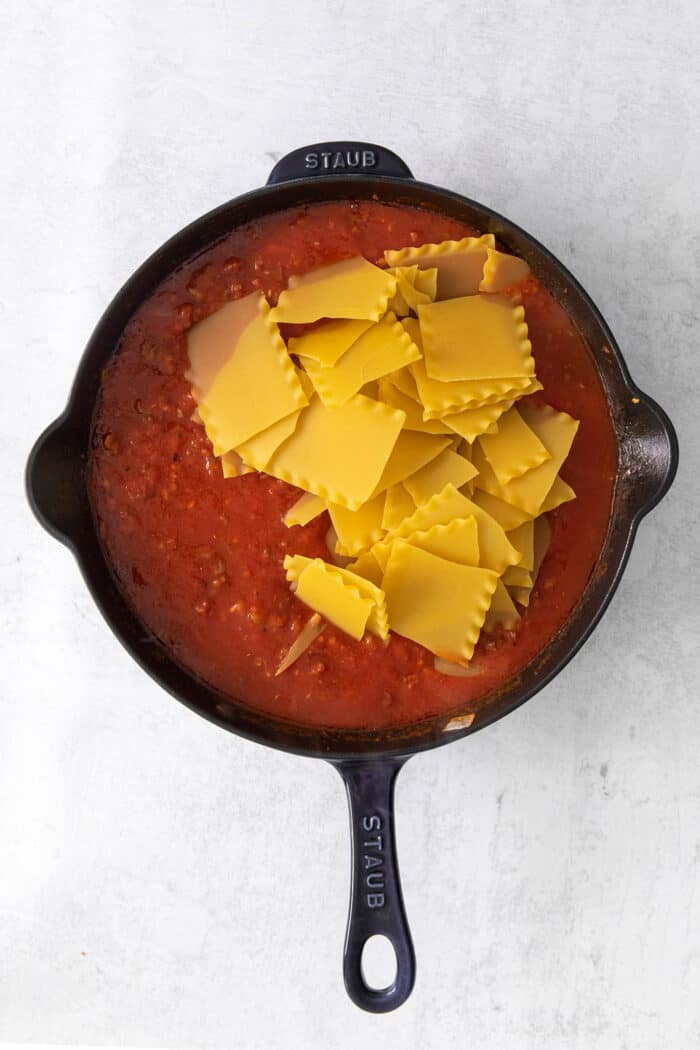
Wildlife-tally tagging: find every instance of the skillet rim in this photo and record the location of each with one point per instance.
(149, 653)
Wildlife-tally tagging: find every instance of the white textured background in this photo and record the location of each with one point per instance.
(164, 884)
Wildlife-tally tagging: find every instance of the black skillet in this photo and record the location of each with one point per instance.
(367, 761)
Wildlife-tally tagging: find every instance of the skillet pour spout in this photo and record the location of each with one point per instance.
(367, 760)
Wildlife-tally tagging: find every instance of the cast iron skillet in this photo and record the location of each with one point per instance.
(367, 761)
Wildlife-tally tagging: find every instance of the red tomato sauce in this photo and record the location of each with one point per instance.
(199, 557)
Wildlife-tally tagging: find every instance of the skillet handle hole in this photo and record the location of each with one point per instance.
(378, 963)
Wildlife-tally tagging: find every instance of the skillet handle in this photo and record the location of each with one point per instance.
(55, 481)
(376, 904)
(649, 452)
(338, 158)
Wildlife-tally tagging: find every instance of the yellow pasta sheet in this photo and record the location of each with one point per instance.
(459, 264)
(507, 516)
(383, 348)
(559, 493)
(328, 594)
(424, 280)
(523, 539)
(259, 450)
(210, 342)
(475, 337)
(414, 287)
(515, 576)
(502, 612)
(447, 468)
(233, 466)
(378, 622)
(541, 540)
(435, 602)
(353, 289)
(306, 508)
(439, 398)
(439, 510)
(368, 567)
(472, 422)
(390, 394)
(316, 457)
(458, 541)
(411, 452)
(295, 565)
(358, 529)
(327, 342)
(398, 505)
(556, 431)
(514, 450)
(495, 550)
(403, 379)
(501, 271)
(258, 362)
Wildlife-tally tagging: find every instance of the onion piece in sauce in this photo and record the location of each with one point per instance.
(308, 634)
(456, 670)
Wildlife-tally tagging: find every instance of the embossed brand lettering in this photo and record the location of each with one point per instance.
(373, 862)
(348, 158)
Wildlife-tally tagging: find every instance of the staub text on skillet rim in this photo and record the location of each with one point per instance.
(368, 761)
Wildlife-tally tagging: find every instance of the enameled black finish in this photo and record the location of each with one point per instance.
(339, 158)
(376, 903)
(648, 456)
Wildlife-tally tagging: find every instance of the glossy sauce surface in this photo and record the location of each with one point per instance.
(200, 557)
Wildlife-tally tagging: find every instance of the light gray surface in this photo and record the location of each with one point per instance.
(163, 884)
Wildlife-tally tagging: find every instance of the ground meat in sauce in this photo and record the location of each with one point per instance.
(200, 557)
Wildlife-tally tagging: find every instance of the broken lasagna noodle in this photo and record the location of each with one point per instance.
(402, 408)
(292, 395)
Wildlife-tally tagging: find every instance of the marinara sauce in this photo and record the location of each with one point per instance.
(199, 557)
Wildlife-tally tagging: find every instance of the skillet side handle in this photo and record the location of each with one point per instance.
(376, 904)
(55, 482)
(649, 453)
(338, 158)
